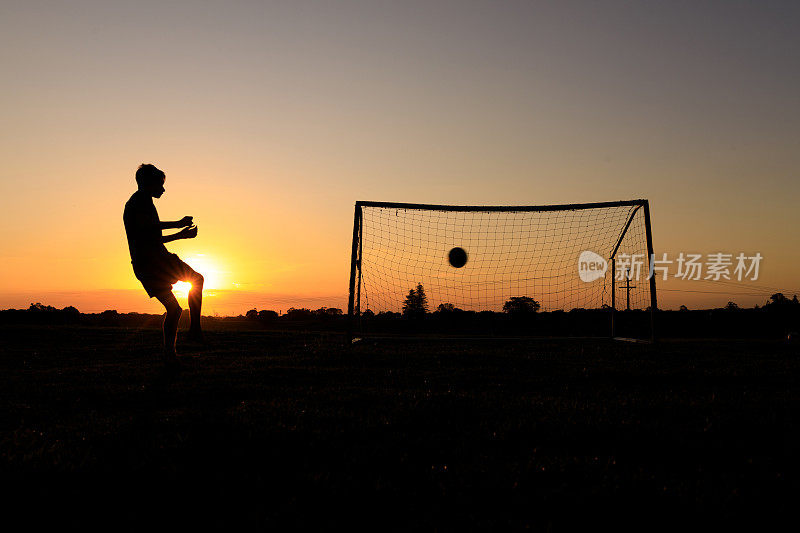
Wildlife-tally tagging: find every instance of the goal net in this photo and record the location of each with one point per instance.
(581, 260)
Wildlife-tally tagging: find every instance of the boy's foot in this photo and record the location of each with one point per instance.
(171, 365)
(195, 336)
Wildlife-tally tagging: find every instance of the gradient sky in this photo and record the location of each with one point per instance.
(272, 118)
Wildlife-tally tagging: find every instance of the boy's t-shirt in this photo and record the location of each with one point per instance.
(142, 227)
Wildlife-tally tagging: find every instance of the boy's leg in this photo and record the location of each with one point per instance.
(170, 322)
(195, 303)
(184, 272)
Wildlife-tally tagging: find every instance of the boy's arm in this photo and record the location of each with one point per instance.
(182, 223)
(185, 233)
(169, 238)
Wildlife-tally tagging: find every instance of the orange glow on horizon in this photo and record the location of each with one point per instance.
(532, 104)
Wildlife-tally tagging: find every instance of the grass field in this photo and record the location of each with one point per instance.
(297, 430)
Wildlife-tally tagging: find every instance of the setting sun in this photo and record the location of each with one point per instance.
(214, 276)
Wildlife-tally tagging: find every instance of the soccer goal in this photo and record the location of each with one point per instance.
(550, 270)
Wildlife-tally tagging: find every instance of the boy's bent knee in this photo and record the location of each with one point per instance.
(197, 281)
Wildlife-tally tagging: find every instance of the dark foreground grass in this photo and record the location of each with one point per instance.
(295, 430)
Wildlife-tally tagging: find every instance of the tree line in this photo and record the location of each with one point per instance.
(415, 304)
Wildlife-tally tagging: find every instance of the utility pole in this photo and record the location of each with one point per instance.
(628, 288)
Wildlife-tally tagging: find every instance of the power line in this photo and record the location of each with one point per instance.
(716, 292)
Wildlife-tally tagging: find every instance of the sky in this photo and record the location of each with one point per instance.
(271, 119)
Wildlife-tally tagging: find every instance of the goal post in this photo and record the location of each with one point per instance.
(550, 270)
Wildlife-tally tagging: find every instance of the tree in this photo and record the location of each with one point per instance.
(267, 315)
(683, 308)
(778, 302)
(328, 312)
(447, 308)
(521, 305)
(731, 306)
(778, 299)
(252, 314)
(299, 314)
(416, 302)
(40, 307)
(422, 298)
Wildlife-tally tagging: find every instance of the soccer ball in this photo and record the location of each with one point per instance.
(457, 257)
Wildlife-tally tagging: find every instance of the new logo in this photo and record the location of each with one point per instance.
(591, 266)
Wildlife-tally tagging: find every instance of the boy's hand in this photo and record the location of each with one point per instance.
(185, 221)
(188, 233)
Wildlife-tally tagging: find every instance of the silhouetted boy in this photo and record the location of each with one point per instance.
(153, 265)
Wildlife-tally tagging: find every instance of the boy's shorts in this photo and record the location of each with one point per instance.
(161, 273)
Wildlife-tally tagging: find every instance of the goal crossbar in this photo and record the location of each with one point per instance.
(502, 208)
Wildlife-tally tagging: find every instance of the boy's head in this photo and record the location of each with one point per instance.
(150, 180)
